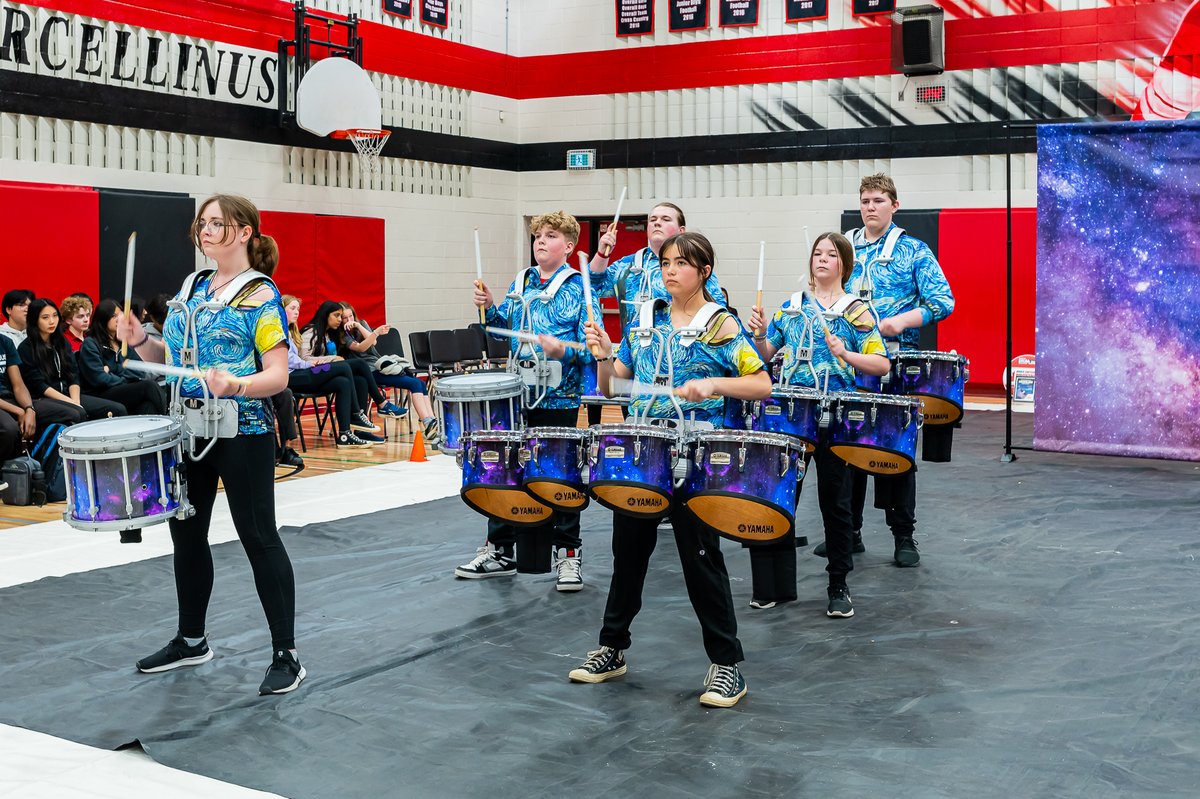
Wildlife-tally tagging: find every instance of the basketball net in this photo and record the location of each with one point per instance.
(368, 142)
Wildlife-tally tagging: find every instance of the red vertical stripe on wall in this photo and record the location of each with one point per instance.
(51, 238)
(349, 264)
(971, 249)
(296, 236)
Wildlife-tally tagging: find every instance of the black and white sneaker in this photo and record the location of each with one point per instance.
(603, 664)
(569, 565)
(433, 432)
(724, 686)
(359, 421)
(284, 675)
(840, 606)
(175, 655)
(487, 563)
(351, 440)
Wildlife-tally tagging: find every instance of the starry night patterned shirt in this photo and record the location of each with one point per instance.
(562, 317)
(708, 356)
(913, 279)
(788, 329)
(632, 286)
(230, 339)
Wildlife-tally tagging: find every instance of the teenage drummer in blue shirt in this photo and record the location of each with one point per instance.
(553, 294)
(851, 346)
(899, 275)
(719, 363)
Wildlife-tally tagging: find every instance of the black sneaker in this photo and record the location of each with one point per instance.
(488, 562)
(857, 547)
(432, 432)
(906, 552)
(289, 459)
(176, 655)
(603, 664)
(359, 421)
(840, 606)
(351, 439)
(723, 686)
(283, 675)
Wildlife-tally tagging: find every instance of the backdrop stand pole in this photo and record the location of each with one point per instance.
(1008, 456)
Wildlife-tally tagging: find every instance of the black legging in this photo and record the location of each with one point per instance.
(365, 386)
(246, 467)
(329, 378)
(142, 397)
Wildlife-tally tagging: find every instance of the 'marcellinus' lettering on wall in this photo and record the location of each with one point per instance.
(82, 48)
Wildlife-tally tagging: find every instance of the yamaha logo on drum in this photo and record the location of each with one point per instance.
(757, 529)
(719, 459)
(772, 410)
(614, 452)
(489, 456)
(856, 416)
(645, 502)
(884, 465)
(523, 510)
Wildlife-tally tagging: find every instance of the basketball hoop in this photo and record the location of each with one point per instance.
(368, 142)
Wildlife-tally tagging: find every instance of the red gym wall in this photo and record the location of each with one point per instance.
(51, 238)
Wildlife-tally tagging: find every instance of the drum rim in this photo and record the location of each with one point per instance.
(154, 437)
(871, 398)
(552, 431)
(654, 431)
(492, 435)
(933, 355)
(729, 434)
(509, 385)
(800, 391)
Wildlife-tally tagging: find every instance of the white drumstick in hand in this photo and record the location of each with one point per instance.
(532, 338)
(166, 370)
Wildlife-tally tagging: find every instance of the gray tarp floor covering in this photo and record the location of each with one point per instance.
(1046, 646)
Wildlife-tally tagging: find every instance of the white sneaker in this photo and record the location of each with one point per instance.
(488, 563)
(569, 565)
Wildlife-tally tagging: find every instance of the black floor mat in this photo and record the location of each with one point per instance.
(1045, 647)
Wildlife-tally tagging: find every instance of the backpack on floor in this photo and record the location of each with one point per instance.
(45, 452)
(26, 482)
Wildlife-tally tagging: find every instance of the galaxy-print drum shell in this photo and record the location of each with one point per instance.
(791, 410)
(937, 377)
(876, 433)
(478, 401)
(493, 476)
(123, 473)
(632, 468)
(554, 459)
(742, 483)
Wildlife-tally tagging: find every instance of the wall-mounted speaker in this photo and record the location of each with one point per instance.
(917, 46)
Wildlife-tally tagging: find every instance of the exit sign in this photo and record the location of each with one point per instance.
(581, 159)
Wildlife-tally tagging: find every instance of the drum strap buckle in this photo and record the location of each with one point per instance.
(742, 458)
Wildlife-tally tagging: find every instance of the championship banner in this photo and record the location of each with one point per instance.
(687, 15)
(806, 10)
(735, 13)
(867, 8)
(399, 8)
(1118, 274)
(433, 12)
(635, 17)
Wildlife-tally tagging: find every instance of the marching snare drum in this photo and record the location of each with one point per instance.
(937, 377)
(123, 473)
(791, 410)
(876, 433)
(742, 483)
(477, 401)
(632, 468)
(554, 461)
(492, 477)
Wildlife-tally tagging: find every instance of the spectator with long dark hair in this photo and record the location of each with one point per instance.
(48, 367)
(102, 371)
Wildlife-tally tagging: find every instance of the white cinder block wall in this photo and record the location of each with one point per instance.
(431, 209)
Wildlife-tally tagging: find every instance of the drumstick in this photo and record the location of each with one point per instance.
(167, 370)
(479, 277)
(128, 284)
(521, 335)
(585, 272)
(762, 254)
(620, 385)
(616, 217)
(821, 319)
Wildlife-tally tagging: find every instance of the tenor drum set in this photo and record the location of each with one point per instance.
(741, 481)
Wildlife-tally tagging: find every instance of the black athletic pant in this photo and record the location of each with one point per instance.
(142, 397)
(246, 467)
(100, 408)
(328, 378)
(10, 435)
(773, 566)
(704, 574)
(284, 405)
(365, 387)
(54, 411)
(896, 495)
(566, 525)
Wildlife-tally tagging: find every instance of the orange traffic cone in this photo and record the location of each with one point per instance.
(418, 448)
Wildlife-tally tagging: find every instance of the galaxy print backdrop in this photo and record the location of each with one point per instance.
(1118, 289)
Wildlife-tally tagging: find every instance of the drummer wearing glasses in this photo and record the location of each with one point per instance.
(720, 362)
(246, 329)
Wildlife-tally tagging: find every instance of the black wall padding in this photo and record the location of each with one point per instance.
(923, 225)
(164, 254)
